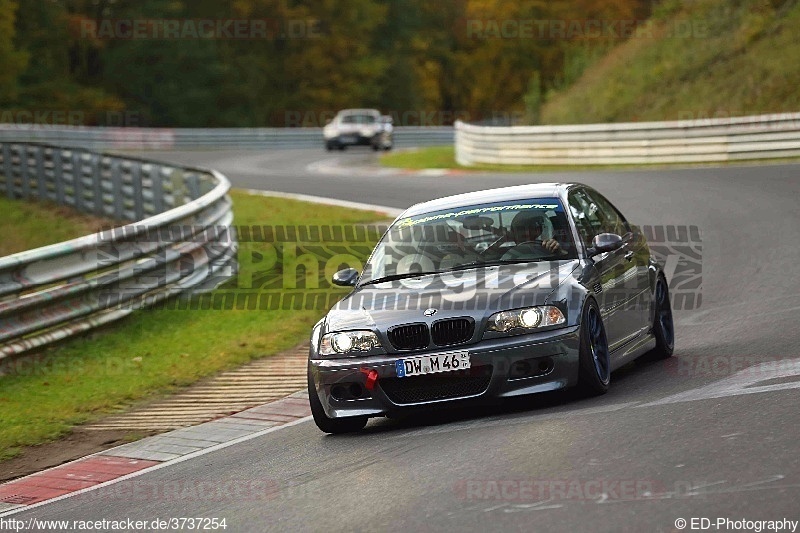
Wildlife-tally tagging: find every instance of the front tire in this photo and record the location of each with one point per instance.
(334, 426)
(663, 325)
(594, 367)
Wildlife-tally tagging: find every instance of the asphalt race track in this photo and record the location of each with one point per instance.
(712, 433)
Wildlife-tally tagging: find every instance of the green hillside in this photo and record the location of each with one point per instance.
(695, 60)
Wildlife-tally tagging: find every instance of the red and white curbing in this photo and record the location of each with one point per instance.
(129, 460)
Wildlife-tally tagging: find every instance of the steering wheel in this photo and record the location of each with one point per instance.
(494, 246)
(535, 249)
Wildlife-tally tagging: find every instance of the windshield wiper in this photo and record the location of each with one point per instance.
(465, 266)
(395, 277)
(495, 262)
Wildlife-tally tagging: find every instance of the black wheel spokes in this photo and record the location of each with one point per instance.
(664, 313)
(598, 345)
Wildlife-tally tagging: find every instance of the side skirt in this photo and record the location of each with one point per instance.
(639, 346)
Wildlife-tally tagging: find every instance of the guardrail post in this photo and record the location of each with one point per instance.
(157, 187)
(7, 172)
(41, 178)
(136, 183)
(193, 186)
(23, 172)
(77, 180)
(97, 188)
(116, 189)
(58, 176)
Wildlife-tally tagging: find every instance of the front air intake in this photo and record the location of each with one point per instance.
(452, 331)
(409, 336)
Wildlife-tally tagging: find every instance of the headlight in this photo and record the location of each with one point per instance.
(529, 318)
(347, 342)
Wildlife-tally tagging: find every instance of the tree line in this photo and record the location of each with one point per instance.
(252, 63)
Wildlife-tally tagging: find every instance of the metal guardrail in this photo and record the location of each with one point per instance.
(191, 138)
(683, 141)
(181, 240)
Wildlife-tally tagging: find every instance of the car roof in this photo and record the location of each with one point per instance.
(518, 192)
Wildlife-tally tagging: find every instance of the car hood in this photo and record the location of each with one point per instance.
(364, 129)
(476, 293)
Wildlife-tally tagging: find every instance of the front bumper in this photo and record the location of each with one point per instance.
(497, 372)
(354, 139)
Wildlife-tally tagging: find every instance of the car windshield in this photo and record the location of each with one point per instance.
(520, 231)
(358, 119)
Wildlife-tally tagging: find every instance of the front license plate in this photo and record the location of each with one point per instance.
(432, 364)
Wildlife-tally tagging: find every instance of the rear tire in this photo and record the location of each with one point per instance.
(663, 325)
(594, 367)
(331, 425)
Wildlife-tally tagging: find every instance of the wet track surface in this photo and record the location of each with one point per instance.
(711, 433)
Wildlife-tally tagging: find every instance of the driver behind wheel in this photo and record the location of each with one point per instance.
(526, 231)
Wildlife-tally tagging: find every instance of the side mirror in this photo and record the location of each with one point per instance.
(346, 277)
(605, 242)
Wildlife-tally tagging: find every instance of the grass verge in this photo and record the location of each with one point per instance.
(443, 157)
(26, 225)
(157, 351)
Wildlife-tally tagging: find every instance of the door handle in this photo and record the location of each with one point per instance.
(629, 256)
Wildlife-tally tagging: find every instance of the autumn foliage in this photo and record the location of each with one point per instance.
(294, 62)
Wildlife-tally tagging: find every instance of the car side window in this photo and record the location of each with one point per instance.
(585, 213)
(612, 220)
